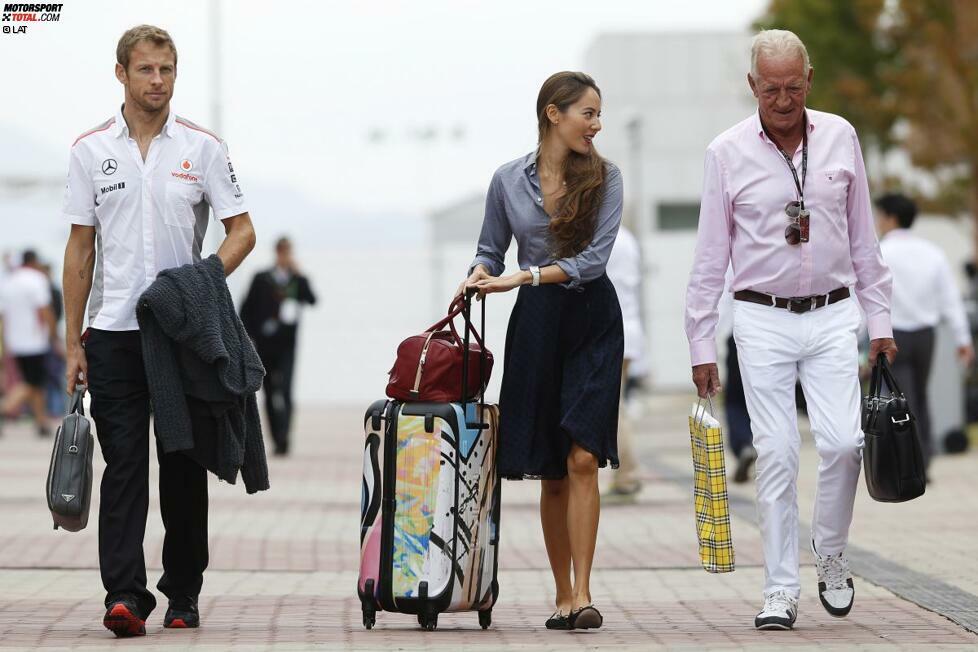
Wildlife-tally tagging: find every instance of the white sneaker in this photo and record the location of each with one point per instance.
(835, 589)
(780, 611)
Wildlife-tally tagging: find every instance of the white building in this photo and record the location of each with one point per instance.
(665, 97)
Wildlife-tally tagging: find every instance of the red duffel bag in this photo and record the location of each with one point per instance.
(432, 366)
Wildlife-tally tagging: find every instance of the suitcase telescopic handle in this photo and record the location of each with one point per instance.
(467, 316)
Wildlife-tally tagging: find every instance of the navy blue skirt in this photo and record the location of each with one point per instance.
(561, 379)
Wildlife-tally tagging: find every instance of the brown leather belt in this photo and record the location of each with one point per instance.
(795, 304)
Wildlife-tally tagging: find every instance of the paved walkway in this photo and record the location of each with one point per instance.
(283, 563)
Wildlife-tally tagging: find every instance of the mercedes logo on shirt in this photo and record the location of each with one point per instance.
(109, 166)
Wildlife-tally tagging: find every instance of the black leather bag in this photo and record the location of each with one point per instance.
(69, 486)
(892, 457)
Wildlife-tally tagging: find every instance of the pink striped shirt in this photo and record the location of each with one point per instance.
(742, 220)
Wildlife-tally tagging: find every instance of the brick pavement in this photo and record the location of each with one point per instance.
(283, 563)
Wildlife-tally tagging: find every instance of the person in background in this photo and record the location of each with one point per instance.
(924, 293)
(54, 361)
(6, 362)
(28, 330)
(625, 271)
(270, 313)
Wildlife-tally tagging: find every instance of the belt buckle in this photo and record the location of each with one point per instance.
(801, 305)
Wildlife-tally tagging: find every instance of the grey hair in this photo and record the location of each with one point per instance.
(777, 43)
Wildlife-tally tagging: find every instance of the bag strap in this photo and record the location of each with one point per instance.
(76, 403)
(875, 379)
(887, 376)
(456, 308)
(466, 317)
(701, 410)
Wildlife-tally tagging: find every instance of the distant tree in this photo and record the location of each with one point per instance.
(905, 74)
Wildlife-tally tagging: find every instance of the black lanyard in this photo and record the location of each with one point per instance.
(791, 166)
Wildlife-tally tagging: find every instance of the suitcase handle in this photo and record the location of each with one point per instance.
(467, 317)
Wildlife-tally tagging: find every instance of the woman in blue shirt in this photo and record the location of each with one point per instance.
(564, 345)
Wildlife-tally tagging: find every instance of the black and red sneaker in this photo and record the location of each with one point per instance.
(182, 614)
(123, 619)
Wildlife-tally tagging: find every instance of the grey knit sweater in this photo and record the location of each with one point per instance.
(197, 351)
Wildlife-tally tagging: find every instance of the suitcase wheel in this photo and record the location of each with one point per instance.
(367, 605)
(485, 618)
(428, 622)
(369, 618)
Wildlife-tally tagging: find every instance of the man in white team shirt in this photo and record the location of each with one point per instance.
(28, 330)
(140, 189)
(924, 293)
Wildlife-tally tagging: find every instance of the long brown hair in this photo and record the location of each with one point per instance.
(573, 222)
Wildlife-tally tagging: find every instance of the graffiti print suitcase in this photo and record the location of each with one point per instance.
(429, 534)
(430, 504)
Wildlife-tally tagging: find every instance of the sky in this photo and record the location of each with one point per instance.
(367, 107)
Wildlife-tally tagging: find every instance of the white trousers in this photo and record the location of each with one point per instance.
(776, 348)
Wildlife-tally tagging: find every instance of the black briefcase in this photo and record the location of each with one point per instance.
(69, 486)
(892, 457)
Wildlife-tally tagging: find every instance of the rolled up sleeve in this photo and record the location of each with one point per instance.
(78, 205)
(496, 233)
(706, 280)
(592, 262)
(873, 279)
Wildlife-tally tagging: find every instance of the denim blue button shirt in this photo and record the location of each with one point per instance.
(514, 207)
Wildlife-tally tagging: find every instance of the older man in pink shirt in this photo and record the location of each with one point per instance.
(786, 203)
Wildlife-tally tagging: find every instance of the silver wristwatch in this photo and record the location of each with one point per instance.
(535, 273)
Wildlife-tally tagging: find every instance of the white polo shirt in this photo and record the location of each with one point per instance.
(148, 216)
(22, 294)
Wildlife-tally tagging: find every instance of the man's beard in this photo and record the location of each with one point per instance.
(146, 107)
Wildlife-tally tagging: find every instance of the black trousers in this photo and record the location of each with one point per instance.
(121, 410)
(278, 394)
(912, 371)
(735, 403)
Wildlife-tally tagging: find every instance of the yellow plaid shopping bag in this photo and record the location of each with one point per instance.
(710, 491)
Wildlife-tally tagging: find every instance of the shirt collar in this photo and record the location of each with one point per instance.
(759, 128)
(171, 119)
(530, 172)
(121, 128)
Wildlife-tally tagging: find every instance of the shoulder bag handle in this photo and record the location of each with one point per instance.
(887, 376)
(456, 308)
(76, 403)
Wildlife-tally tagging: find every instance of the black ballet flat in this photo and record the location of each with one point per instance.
(559, 621)
(586, 618)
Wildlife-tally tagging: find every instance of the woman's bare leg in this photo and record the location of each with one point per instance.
(553, 516)
(583, 507)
